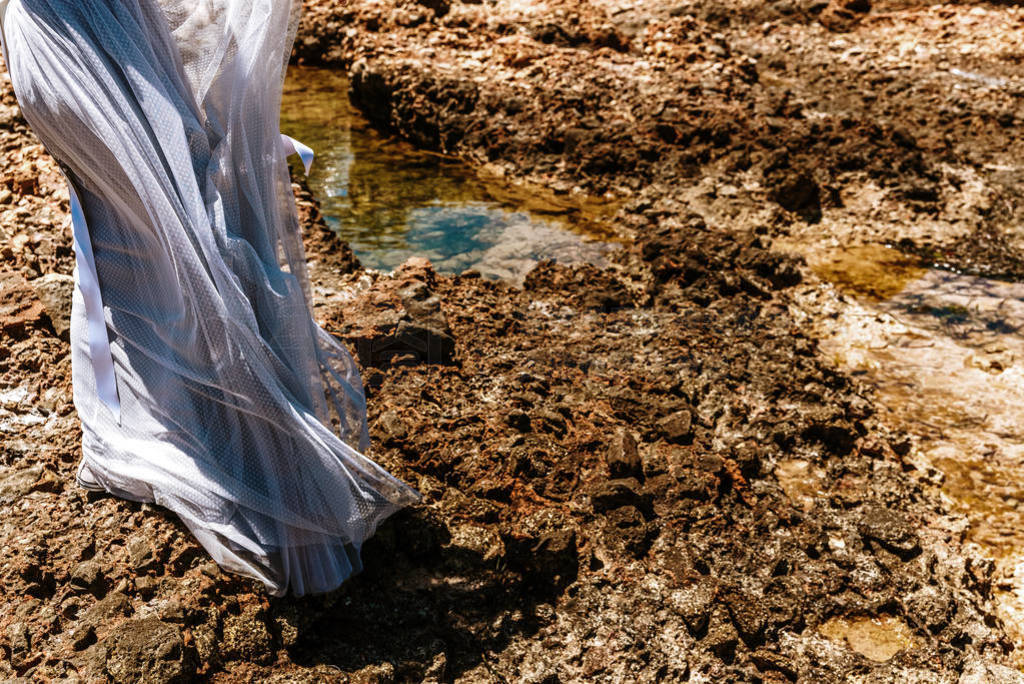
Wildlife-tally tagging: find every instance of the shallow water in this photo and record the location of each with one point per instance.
(944, 354)
(390, 201)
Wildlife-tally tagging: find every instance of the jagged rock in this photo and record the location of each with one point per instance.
(55, 290)
(890, 529)
(148, 651)
(87, 576)
(16, 483)
(475, 544)
(693, 603)
(19, 305)
(624, 457)
(405, 325)
(246, 637)
(141, 554)
(20, 644)
(611, 494)
(677, 427)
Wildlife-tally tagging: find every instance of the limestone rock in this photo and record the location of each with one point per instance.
(55, 290)
(148, 651)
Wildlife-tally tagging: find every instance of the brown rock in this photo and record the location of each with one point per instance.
(149, 652)
(55, 290)
(19, 305)
(624, 457)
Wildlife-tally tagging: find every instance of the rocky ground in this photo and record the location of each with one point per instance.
(644, 472)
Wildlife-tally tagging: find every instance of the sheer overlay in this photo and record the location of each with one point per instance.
(238, 412)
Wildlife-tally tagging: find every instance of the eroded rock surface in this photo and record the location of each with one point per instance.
(646, 472)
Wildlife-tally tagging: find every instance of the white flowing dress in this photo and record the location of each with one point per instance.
(233, 408)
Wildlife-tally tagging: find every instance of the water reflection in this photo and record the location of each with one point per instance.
(391, 201)
(944, 353)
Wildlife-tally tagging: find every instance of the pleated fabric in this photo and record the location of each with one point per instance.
(237, 411)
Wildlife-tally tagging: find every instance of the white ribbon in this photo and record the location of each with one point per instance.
(293, 146)
(96, 324)
(89, 284)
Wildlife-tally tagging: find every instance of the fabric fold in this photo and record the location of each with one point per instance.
(234, 409)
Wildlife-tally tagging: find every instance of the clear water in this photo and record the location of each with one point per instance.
(944, 356)
(390, 201)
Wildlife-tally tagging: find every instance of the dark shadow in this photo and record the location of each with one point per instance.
(427, 606)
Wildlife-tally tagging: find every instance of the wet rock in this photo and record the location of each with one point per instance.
(624, 457)
(55, 290)
(148, 651)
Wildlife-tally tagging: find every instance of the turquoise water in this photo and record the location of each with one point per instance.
(391, 201)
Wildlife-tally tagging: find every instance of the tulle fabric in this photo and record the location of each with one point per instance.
(238, 412)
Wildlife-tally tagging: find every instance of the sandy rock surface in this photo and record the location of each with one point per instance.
(646, 472)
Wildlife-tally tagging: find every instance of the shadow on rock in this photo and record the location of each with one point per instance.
(432, 600)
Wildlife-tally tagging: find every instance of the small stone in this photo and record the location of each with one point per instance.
(17, 483)
(479, 543)
(141, 554)
(518, 420)
(677, 427)
(721, 638)
(211, 570)
(611, 494)
(247, 638)
(375, 674)
(393, 426)
(623, 456)
(748, 615)
(930, 608)
(87, 576)
(146, 586)
(55, 290)
(20, 644)
(693, 603)
(115, 605)
(890, 529)
(148, 651)
(19, 305)
(766, 660)
(82, 637)
(171, 610)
